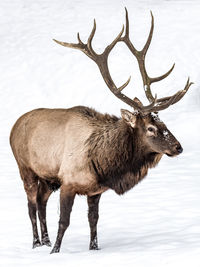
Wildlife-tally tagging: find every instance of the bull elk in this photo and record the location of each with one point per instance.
(85, 152)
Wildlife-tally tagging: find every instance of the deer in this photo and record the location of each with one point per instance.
(84, 152)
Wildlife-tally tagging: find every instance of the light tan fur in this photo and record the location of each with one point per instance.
(52, 144)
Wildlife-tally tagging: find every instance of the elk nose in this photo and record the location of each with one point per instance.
(179, 148)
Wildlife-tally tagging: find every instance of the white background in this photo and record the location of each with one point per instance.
(157, 223)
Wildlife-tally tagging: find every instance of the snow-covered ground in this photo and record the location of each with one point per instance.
(158, 222)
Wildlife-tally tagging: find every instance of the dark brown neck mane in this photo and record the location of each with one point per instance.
(117, 156)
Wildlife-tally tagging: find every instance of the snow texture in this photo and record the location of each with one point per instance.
(157, 223)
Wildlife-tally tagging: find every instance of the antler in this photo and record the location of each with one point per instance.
(161, 103)
(102, 62)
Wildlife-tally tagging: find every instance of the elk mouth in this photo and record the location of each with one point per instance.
(170, 155)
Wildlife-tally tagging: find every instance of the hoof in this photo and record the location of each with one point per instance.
(36, 243)
(46, 242)
(55, 250)
(94, 246)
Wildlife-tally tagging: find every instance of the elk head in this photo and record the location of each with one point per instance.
(153, 132)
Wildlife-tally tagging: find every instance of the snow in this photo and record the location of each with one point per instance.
(157, 223)
(166, 134)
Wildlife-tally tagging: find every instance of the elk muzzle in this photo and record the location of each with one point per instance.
(176, 150)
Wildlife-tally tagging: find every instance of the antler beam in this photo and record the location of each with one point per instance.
(102, 62)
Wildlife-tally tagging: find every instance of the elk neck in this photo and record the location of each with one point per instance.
(118, 157)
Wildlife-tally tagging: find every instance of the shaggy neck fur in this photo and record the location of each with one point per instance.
(118, 157)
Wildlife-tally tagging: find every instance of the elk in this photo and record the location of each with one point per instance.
(82, 151)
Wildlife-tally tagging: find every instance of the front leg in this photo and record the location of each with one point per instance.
(93, 216)
(66, 203)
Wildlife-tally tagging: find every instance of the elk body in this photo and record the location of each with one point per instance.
(85, 152)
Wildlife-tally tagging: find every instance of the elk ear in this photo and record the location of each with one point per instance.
(128, 117)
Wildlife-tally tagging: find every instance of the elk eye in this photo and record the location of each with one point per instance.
(151, 129)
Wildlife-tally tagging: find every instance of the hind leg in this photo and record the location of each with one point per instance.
(31, 187)
(42, 197)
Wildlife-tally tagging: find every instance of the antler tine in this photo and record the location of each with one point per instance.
(165, 102)
(146, 46)
(77, 46)
(86, 48)
(126, 38)
(114, 42)
(89, 43)
(127, 23)
(79, 39)
(179, 94)
(184, 91)
(159, 78)
(124, 85)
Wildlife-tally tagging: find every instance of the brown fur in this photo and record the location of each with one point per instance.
(120, 165)
(84, 152)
